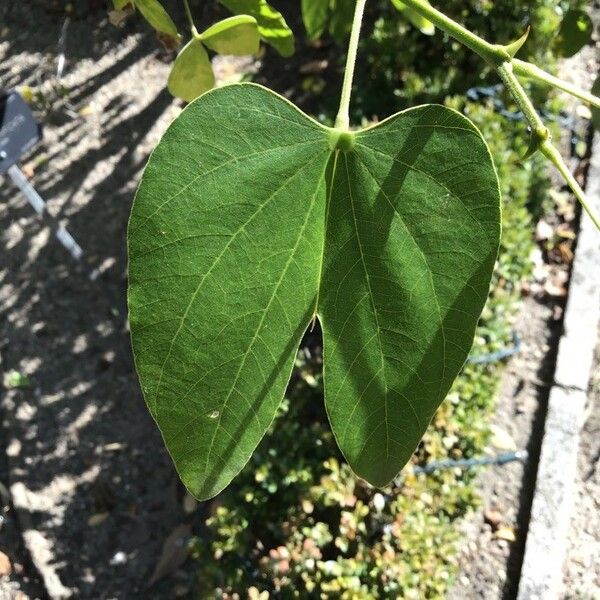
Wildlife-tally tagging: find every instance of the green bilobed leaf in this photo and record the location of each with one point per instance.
(314, 16)
(414, 18)
(271, 24)
(157, 16)
(575, 32)
(236, 35)
(250, 218)
(191, 74)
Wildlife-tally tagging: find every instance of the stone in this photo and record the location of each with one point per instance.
(5, 565)
(546, 545)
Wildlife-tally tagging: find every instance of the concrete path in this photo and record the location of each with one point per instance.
(547, 538)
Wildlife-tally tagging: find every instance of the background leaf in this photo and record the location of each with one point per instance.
(314, 16)
(575, 32)
(157, 16)
(342, 13)
(271, 24)
(235, 35)
(191, 74)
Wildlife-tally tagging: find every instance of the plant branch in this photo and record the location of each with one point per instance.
(540, 136)
(513, 85)
(502, 59)
(537, 75)
(492, 53)
(190, 19)
(342, 120)
(554, 156)
(496, 54)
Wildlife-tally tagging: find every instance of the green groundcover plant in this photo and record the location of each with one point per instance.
(252, 220)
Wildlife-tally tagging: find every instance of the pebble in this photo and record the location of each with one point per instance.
(5, 566)
(119, 558)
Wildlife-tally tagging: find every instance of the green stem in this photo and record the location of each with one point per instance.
(553, 155)
(190, 19)
(513, 85)
(342, 120)
(541, 139)
(502, 60)
(491, 53)
(534, 73)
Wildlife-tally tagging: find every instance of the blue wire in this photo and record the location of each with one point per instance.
(484, 359)
(468, 463)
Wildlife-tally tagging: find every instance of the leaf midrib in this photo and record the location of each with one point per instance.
(373, 307)
(266, 310)
(323, 246)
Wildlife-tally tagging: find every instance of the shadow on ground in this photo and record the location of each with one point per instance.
(94, 487)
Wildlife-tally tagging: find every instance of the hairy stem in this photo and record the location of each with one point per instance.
(190, 19)
(541, 139)
(553, 155)
(513, 85)
(503, 61)
(342, 120)
(492, 53)
(537, 75)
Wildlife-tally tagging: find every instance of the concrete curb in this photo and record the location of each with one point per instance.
(546, 546)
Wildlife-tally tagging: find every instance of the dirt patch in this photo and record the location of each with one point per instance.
(18, 577)
(487, 570)
(96, 492)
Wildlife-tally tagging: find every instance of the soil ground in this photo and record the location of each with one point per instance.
(94, 488)
(490, 561)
